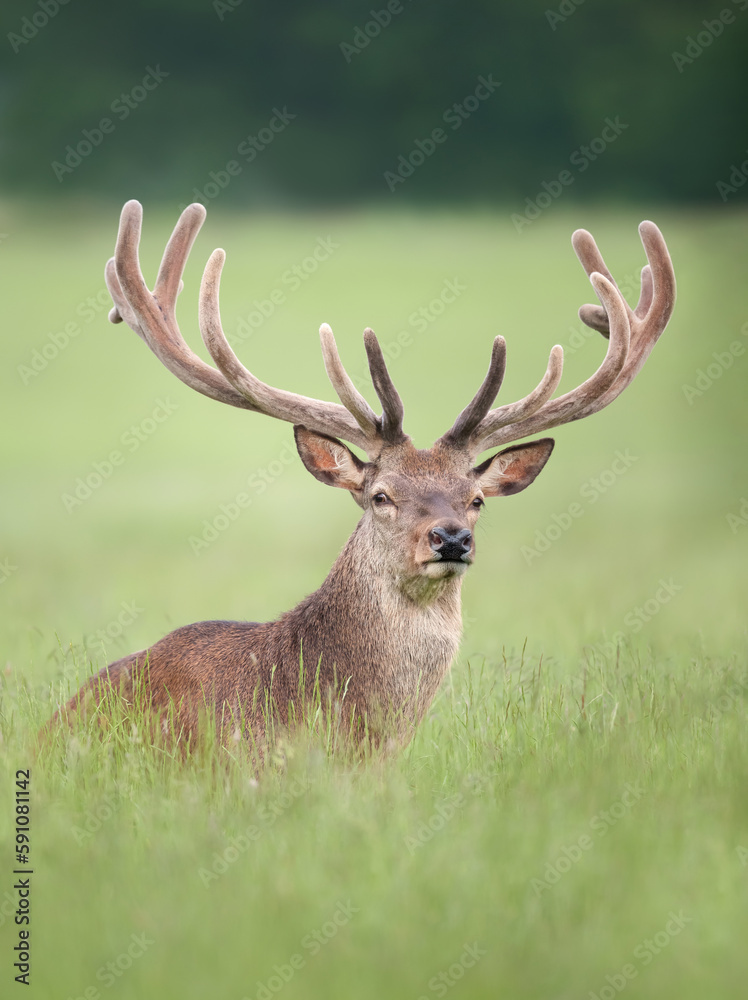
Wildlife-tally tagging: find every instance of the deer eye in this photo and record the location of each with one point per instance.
(478, 503)
(380, 499)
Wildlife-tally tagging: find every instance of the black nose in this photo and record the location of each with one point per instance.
(451, 545)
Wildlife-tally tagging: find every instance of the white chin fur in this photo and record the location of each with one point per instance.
(441, 570)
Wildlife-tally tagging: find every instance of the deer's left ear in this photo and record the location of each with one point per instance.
(513, 469)
(330, 461)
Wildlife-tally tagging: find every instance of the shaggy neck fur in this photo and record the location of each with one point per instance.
(390, 639)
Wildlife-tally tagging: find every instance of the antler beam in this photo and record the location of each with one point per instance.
(152, 315)
(632, 333)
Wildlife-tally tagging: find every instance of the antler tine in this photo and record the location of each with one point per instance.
(589, 256)
(653, 311)
(632, 333)
(646, 292)
(169, 279)
(347, 392)
(121, 310)
(479, 406)
(595, 316)
(657, 279)
(150, 317)
(511, 413)
(327, 418)
(392, 406)
(662, 276)
(586, 398)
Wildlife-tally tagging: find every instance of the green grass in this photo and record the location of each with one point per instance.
(573, 733)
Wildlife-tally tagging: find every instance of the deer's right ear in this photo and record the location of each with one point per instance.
(513, 469)
(330, 461)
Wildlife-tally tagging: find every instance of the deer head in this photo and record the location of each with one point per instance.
(420, 506)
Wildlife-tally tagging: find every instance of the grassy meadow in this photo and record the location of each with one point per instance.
(571, 819)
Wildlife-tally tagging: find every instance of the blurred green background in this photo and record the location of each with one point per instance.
(635, 609)
(183, 456)
(363, 82)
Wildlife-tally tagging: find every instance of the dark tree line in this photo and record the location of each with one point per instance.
(396, 99)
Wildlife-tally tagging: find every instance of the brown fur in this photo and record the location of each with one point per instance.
(373, 643)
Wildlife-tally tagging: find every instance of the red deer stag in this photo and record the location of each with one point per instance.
(380, 633)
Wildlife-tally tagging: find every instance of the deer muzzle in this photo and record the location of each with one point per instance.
(451, 545)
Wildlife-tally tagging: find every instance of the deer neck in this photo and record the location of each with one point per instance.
(362, 573)
(395, 638)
